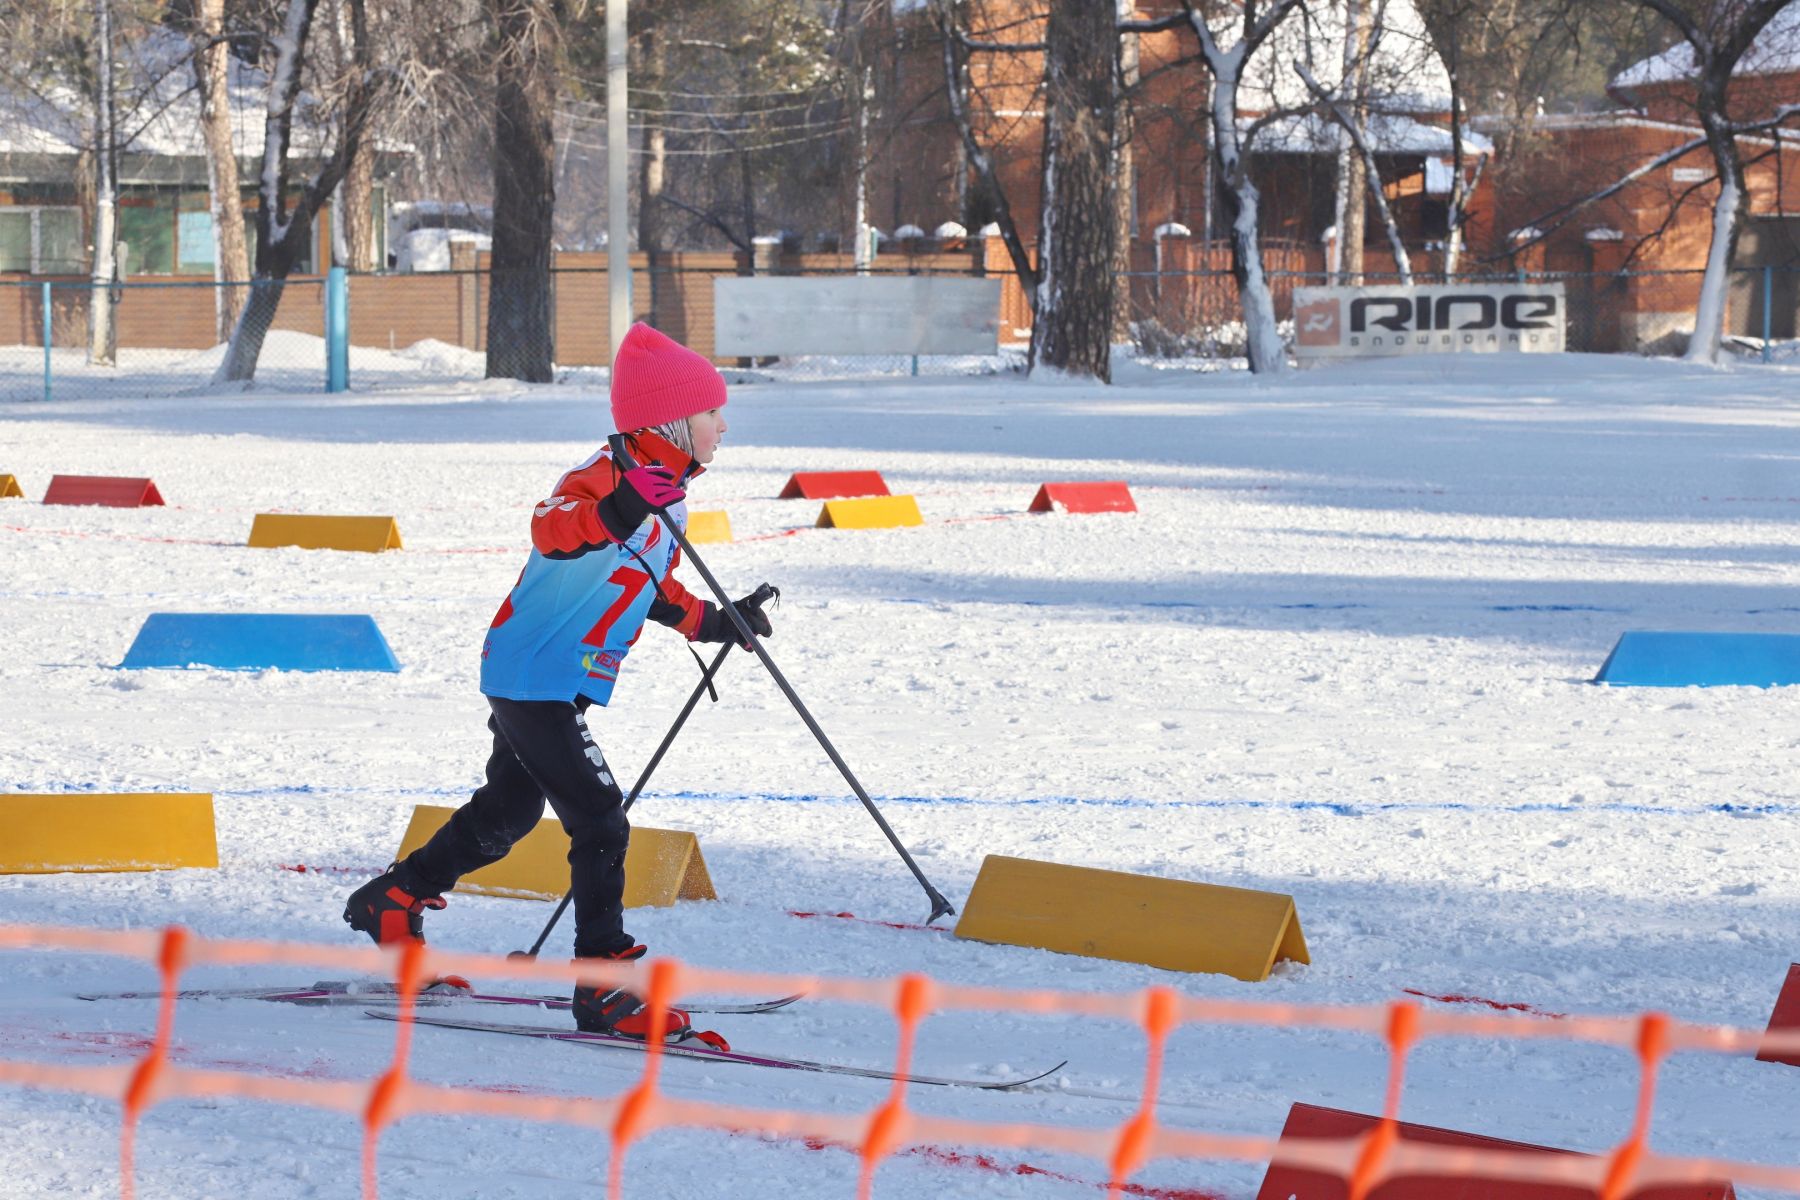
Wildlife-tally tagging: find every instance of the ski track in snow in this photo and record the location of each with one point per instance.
(1342, 652)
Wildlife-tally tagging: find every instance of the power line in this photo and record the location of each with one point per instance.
(737, 149)
(832, 123)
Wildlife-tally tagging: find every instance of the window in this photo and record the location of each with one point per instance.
(60, 251)
(147, 234)
(194, 236)
(42, 241)
(15, 239)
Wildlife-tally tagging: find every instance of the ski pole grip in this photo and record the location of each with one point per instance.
(621, 455)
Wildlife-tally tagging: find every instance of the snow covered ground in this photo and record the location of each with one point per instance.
(1342, 652)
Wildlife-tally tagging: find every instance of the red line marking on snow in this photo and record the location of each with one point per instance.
(988, 517)
(943, 1156)
(844, 916)
(116, 537)
(768, 537)
(308, 869)
(1484, 1002)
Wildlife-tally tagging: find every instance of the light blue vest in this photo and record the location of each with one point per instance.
(573, 620)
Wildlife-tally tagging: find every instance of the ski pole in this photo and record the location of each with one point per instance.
(643, 778)
(940, 907)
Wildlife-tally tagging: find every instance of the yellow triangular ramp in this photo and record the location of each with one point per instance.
(710, 526)
(870, 512)
(1169, 923)
(661, 866)
(369, 534)
(106, 831)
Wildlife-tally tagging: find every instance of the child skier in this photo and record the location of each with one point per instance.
(600, 564)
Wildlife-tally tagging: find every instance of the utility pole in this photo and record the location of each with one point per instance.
(618, 175)
(102, 337)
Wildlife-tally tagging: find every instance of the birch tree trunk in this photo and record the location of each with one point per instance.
(1072, 327)
(1242, 201)
(284, 237)
(520, 334)
(1124, 173)
(103, 338)
(1352, 129)
(1727, 228)
(1718, 42)
(1353, 183)
(231, 253)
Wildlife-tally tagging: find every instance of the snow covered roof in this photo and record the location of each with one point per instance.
(1775, 51)
(1386, 133)
(158, 110)
(1404, 69)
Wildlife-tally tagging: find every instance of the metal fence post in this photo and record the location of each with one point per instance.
(337, 330)
(1768, 307)
(48, 338)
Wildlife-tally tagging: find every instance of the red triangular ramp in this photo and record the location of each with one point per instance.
(1785, 1019)
(833, 485)
(113, 491)
(1109, 496)
(1310, 1121)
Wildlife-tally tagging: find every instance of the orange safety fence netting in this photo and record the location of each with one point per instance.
(1365, 1161)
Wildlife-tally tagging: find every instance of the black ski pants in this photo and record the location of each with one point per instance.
(543, 751)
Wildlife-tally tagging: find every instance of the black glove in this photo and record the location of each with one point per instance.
(715, 626)
(640, 492)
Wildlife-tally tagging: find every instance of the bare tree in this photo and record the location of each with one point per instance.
(352, 42)
(1226, 64)
(1124, 171)
(1454, 17)
(1717, 36)
(103, 335)
(1072, 327)
(956, 47)
(1355, 164)
(1513, 61)
(1368, 179)
(212, 77)
(1072, 285)
(283, 234)
(521, 340)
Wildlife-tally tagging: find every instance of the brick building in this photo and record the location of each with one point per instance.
(920, 176)
(1661, 221)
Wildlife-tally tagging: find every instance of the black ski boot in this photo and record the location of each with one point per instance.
(622, 1013)
(391, 908)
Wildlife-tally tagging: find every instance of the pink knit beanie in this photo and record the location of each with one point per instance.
(656, 379)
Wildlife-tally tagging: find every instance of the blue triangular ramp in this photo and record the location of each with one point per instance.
(258, 641)
(1643, 659)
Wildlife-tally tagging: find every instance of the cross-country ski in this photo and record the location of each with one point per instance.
(576, 1037)
(330, 992)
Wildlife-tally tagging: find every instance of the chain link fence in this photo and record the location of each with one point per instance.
(1194, 315)
(166, 339)
(407, 330)
(439, 325)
